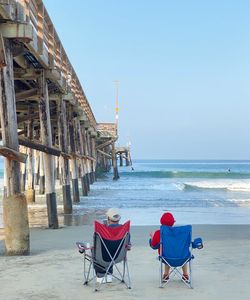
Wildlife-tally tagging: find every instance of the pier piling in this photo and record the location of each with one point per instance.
(64, 161)
(14, 204)
(46, 138)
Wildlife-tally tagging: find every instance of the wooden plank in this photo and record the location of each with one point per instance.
(33, 144)
(26, 94)
(28, 117)
(30, 193)
(2, 53)
(13, 154)
(73, 161)
(64, 159)
(17, 31)
(114, 162)
(104, 153)
(105, 144)
(26, 74)
(46, 137)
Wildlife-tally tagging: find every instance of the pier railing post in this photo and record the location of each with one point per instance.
(46, 137)
(64, 162)
(15, 213)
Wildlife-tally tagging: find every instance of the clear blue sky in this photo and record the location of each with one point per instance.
(184, 68)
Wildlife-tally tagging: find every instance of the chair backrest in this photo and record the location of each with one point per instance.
(175, 243)
(110, 243)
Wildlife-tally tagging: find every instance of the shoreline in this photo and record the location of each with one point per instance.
(54, 268)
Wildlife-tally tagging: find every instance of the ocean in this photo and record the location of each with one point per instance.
(196, 192)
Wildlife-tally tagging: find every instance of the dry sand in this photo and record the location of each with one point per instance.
(54, 268)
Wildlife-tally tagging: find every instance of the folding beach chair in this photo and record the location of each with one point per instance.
(110, 246)
(176, 251)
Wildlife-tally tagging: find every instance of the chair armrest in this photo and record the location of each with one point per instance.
(83, 246)
(153, 247)
(129, 246)
(197, 243)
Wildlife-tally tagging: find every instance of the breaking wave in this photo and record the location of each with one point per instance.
(188, 174)
(239, 186)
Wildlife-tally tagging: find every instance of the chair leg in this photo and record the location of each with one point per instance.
(86, 277)
(129, 282)
(123, 273)
(84, 270)
(161, 274)
(190, 275)
(94, 279)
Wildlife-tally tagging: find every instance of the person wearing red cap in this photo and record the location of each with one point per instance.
(167, 219)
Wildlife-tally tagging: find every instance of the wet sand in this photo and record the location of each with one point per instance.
(54, 268)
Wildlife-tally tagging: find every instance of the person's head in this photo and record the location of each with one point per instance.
(167, 219)
(113, 216)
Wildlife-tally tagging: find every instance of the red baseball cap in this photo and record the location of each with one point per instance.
(167, 219)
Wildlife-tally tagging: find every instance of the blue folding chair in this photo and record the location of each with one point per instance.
(176, 250)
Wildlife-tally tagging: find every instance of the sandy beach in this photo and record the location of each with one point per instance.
(54, 268)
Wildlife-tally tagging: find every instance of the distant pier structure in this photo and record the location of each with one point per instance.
(124, 155)
(48, 130)
(108, 153)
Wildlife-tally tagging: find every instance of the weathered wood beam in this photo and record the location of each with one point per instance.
(90, 162)
(64, 160)
(21, 132)
(94, 154)
(26, 94)
(114, 162)
(33, 144)
(84, 152)
(21, 61)
(33, 74)
(73, 161)
(104, 153)
(46, 137)
(28, 117)
(2, 53)
(26, 74)
(84, 182)
(30, 193)
(42, 176)
(105, 144)
(17, 31)
(13, 154)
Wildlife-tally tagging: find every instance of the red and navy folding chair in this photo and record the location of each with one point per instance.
(109, 250)
(176, 250)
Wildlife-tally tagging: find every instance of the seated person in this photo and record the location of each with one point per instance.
(113, 218)
(167, 219)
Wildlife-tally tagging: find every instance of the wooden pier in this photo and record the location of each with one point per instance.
(48, 129)
(124, 154)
